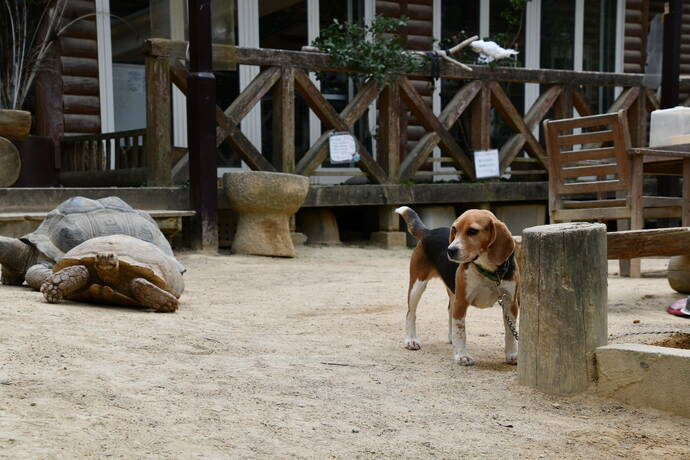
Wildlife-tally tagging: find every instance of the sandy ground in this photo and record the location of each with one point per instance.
(277, 358)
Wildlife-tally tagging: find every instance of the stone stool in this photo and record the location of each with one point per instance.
(679, 273)
(264, 202)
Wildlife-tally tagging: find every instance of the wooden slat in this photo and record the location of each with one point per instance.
(584, 204)
(591, 187)
(585, 171)
(79, 47)
(580, 103)
(626, 99)
(82, 123)
(89, 105)
(429, 121)
(79, 67)
(591, 214)
(586, 138)
(587, 154)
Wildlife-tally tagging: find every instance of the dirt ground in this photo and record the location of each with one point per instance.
(278, 358)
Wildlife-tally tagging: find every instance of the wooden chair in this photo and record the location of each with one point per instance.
(595, 176)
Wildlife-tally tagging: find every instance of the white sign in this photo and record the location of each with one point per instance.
(486, 163)
(342, 148)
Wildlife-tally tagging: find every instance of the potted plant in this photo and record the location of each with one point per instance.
(28, 28)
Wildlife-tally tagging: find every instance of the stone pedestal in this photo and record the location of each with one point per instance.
(319, 225)
(389, 240)
(264, 202)
(679, 273)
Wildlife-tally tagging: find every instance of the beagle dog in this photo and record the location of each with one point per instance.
(475, 258)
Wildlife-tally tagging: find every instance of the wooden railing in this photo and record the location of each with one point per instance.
(110, 159)
(285, 74)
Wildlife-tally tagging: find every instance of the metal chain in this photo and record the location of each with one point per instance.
(511, 325)
(626, 334)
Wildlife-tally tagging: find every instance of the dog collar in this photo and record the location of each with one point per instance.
(503, 271)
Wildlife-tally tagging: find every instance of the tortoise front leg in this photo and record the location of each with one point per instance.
(37, 274)
(152, 296)
(65, 282)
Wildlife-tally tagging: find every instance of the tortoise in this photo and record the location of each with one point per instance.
(116, 269)
(70, 224)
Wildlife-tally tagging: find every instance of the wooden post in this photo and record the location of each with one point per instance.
(284, 121)
(563, 306)
(480, 119)
(201, 122)
(158, 121)
(670, 68)
(389, 132)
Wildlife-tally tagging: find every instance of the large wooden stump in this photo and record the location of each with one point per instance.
(15, 124)
(563, 305)
(10, 163)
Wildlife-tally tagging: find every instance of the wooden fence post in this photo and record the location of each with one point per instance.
(284, 121)
(158, 121)
(563, 306)
(480, 119)
(389, 131)
(201, 122)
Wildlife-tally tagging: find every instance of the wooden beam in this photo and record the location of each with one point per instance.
(158, 121)
(427, 119)
(284, 121)
(661, 242)
(450, 114)
(231, 55)
(389, 130)
(534, 115)
(513, 119)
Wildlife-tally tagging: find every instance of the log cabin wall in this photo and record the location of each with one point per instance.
(67, 91)
(418, 35)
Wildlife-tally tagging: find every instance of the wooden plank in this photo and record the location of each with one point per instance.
(595, 137)
(585, 122)
(584, 171)
(79, 67)
(450, 114)
(389, 129)
(470, 193)
(513, 119)
(584, 204)
(81, 86)
(88, 105)
(252, 94)
(158, 121)
(430, 122)
(316, 102)
(562, 308)
(592, 187)
(284, 122)
(573, 156)
(316, 155)
(662, 242)
(77, 123)
(176, 50)
(607, 213)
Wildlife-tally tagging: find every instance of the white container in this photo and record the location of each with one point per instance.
(669, 127)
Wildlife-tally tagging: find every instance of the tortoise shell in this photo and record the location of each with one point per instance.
(137, 259)
(79, 219)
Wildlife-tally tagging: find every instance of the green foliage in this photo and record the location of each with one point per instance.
(375, 49)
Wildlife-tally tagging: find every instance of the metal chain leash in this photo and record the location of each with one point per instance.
(509, 322)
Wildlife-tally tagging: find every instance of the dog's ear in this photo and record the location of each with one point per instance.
(502, 244)
(451, 234)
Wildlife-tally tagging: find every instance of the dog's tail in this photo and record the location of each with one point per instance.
(414, 224)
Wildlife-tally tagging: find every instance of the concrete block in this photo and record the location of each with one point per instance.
(645, 376)
(319, 225)
(389, 240)
(521, 216)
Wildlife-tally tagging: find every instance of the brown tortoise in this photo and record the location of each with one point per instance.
(117, 269)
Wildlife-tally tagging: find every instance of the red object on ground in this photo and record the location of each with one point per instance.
(679, 308)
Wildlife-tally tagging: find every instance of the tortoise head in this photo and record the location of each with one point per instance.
(107, 266)
(15, 257)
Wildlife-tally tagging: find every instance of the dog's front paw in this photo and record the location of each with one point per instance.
(511, 358)
(412, 344)
(464, 360)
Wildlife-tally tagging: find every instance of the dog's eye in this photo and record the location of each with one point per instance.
(472, 231)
